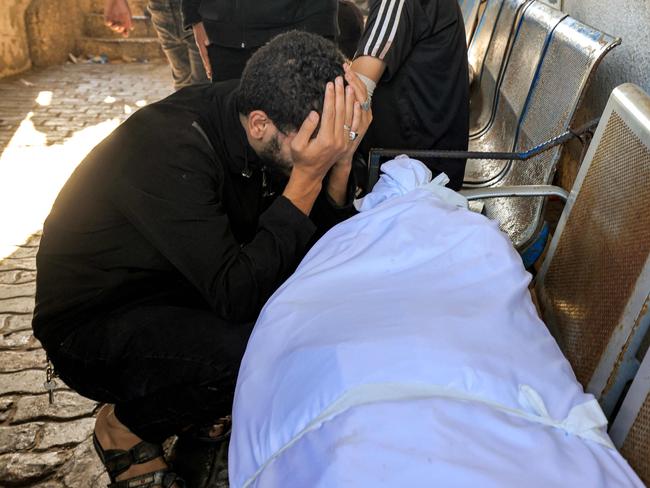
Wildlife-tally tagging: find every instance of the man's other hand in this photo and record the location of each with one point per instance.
(117, 16)
(356, 118)
(202, 42)
(357, 122)
(314, 156)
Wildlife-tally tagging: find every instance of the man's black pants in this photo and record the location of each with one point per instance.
(164, 367)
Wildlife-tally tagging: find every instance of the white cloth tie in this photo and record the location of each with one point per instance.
(403, 175)
(586, 420)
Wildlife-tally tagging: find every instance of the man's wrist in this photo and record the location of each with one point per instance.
(337, 184)
(303, 189)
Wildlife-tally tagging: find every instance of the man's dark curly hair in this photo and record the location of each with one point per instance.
(286, 78)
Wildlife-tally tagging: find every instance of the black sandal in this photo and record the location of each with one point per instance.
(117, 461)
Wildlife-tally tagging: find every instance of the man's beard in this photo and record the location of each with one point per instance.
(273, 160)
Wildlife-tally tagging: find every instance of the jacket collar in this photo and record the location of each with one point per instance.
(243, 159)
(226, 131)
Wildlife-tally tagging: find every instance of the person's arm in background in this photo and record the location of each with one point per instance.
(369, 70)
(385, 42)
(192, 19)
(117, 16)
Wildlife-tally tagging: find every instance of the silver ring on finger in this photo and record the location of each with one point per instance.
(365, 106)
(353, 135)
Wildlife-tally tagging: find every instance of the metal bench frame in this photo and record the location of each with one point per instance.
(377, 156)
(470, 9)
(486, 54)
(628, 113)
(630, 427)
(538, 95)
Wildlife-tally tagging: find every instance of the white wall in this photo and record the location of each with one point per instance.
(629, 62)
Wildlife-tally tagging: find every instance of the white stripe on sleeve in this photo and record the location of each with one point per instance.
(378, 20)
(389, 42)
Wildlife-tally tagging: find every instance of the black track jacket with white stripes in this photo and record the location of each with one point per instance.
(422, 100)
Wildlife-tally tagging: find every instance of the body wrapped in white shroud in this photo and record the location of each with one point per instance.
(405, 351)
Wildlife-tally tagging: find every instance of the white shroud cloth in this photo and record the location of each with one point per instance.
(405, 351)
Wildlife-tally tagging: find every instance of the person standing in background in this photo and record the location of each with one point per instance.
(228, 33)
(177, 43)
(413, 56)
(351, 23)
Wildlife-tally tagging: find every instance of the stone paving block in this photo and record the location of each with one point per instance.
(67, 405)
(6, 408)
(85, 468)
(18, 437)
(51, 123)
(34, 239)
(22, 305)
(14, 323)
(48, 484)
(18, 261)
(17, 277)
(20, 360)
(18, 340)
(16, 291)
(9, 264)
(26, 382)
(24, 468)
(65, 433)
(26, 251)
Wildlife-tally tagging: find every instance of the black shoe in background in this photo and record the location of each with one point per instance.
(201, 463)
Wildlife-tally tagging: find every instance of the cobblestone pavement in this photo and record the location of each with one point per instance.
(49, 119)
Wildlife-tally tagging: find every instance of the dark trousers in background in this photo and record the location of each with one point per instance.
(164, 367)
(177, 44)
(228, 62)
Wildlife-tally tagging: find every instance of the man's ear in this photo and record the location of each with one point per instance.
(258, 123)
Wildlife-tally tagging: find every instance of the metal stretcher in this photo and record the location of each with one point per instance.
(548, 64)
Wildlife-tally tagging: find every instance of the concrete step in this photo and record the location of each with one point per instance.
(138, 7)
(131, 48)
(95, 27)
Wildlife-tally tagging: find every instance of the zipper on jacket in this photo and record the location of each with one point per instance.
(246, 172)
(267, 191)
(243, 23)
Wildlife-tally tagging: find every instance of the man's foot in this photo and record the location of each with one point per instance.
(111, 434)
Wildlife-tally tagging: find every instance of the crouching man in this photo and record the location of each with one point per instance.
(167, 240)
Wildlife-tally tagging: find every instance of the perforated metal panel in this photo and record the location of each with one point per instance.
(594, 286)
(602, 249)
(573, 52)
(636, 448)
(631, 428)
(527, 52)
(487, 56)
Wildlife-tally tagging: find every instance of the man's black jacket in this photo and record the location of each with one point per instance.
(251, 23)
(173, 207)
